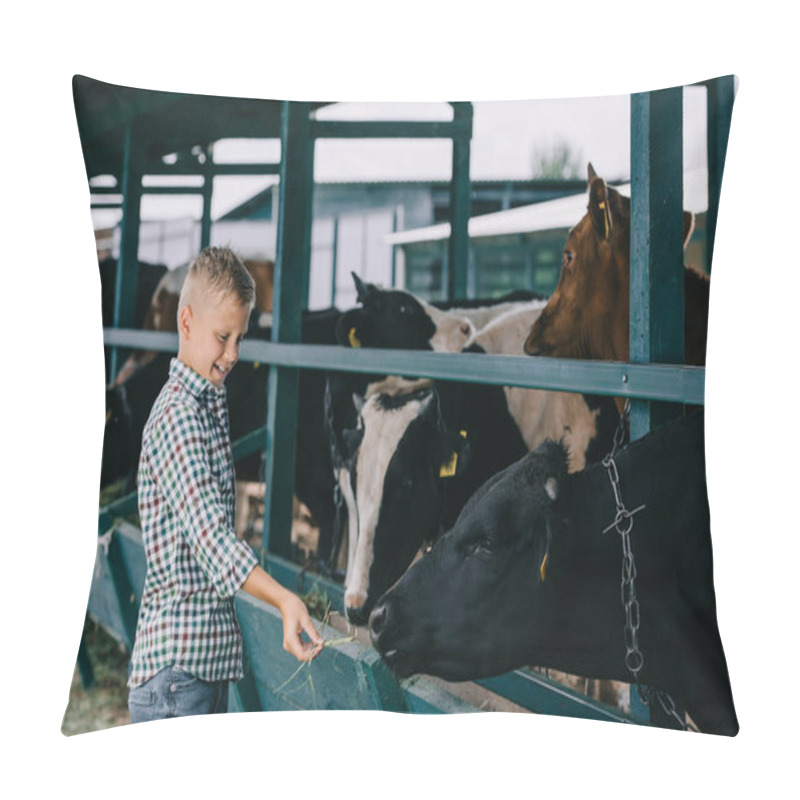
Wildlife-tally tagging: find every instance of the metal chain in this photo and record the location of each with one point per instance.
(623, 523)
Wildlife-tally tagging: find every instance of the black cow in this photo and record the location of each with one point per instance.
(393, 485)
(528, 576)
(422, 452)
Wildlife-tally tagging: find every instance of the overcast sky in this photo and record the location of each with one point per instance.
(506, 135)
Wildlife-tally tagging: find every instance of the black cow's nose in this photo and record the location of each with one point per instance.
(377, 620)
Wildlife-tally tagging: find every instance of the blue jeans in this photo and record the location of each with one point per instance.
(174, 692)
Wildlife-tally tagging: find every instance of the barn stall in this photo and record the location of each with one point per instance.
(140, 128)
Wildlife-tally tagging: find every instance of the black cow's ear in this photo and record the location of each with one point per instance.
(351, 441)
(454, 454)
(364, 291)
(352, 328)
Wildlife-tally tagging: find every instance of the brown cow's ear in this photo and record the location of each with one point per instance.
(599, 209)
(592, 174)
(688, 227)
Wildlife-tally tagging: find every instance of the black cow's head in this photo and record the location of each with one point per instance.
(404, 457)
(467, 608)
(395, 319)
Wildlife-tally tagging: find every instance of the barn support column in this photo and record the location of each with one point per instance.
(456, 283)
(292, 262)
(657, 283)
(208, 190)
(719, 107)
(334, 260)
(128, 263)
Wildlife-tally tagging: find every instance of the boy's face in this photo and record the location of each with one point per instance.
(211, 331)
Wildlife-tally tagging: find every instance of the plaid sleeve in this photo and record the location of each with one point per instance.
(181, 465)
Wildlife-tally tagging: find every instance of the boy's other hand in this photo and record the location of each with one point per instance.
(296, 621)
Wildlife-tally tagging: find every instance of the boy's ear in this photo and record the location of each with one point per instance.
(454, 453)
(185, 321)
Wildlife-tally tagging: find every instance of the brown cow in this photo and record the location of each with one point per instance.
(588, 313)
(162, 314)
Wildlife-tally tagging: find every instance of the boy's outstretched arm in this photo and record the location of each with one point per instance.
(293, 611)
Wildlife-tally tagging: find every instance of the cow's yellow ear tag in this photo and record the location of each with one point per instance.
(449, 469)
(543, 567)
(463, 434)
(108, 415)
(606, 219)
(256, 364)
(353, 339)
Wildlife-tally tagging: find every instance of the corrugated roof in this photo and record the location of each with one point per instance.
(549, 215)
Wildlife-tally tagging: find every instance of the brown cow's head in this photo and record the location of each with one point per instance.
(588, 313)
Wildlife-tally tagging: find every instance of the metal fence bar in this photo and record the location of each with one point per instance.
(186, 170)
(658, 381)
(128, 264)
(719, 107)
(457, 285)
(208, 191)
(291, 293)
(335, 129)
(657, 272)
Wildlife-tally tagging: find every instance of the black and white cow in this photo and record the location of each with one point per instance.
(397, 499)
(423, 449)
(527, 575)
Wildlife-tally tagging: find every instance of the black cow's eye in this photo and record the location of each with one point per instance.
(484, 545)
(405, 309)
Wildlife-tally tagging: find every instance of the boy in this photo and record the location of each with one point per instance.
(188, 644)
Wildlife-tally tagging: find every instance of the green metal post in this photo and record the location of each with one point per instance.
(657, 282)
(128, 263)
(719, 107)
(208, 190)
(457, 285)
(656, 290)
(394, 251)
(291, 280)
(88, 679)
(334, 259)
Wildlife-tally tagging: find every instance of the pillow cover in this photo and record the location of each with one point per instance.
(579, 575)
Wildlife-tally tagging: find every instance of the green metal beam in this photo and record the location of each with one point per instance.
(719, 108)
(208, 190)
(292, 262)
(128, 263)
(335, 129)
(457, 285)
(187, 170)
(657, 272)
(661, 382)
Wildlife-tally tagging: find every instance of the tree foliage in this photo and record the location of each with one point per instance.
(557, 162)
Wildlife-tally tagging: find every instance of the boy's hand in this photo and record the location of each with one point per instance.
(295, 621)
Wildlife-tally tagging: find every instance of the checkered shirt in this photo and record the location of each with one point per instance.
(195, 563)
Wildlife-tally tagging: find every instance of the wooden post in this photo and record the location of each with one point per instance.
(657, 282)
(291, 281)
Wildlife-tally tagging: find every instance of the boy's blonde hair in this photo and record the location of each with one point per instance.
(219, 272)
